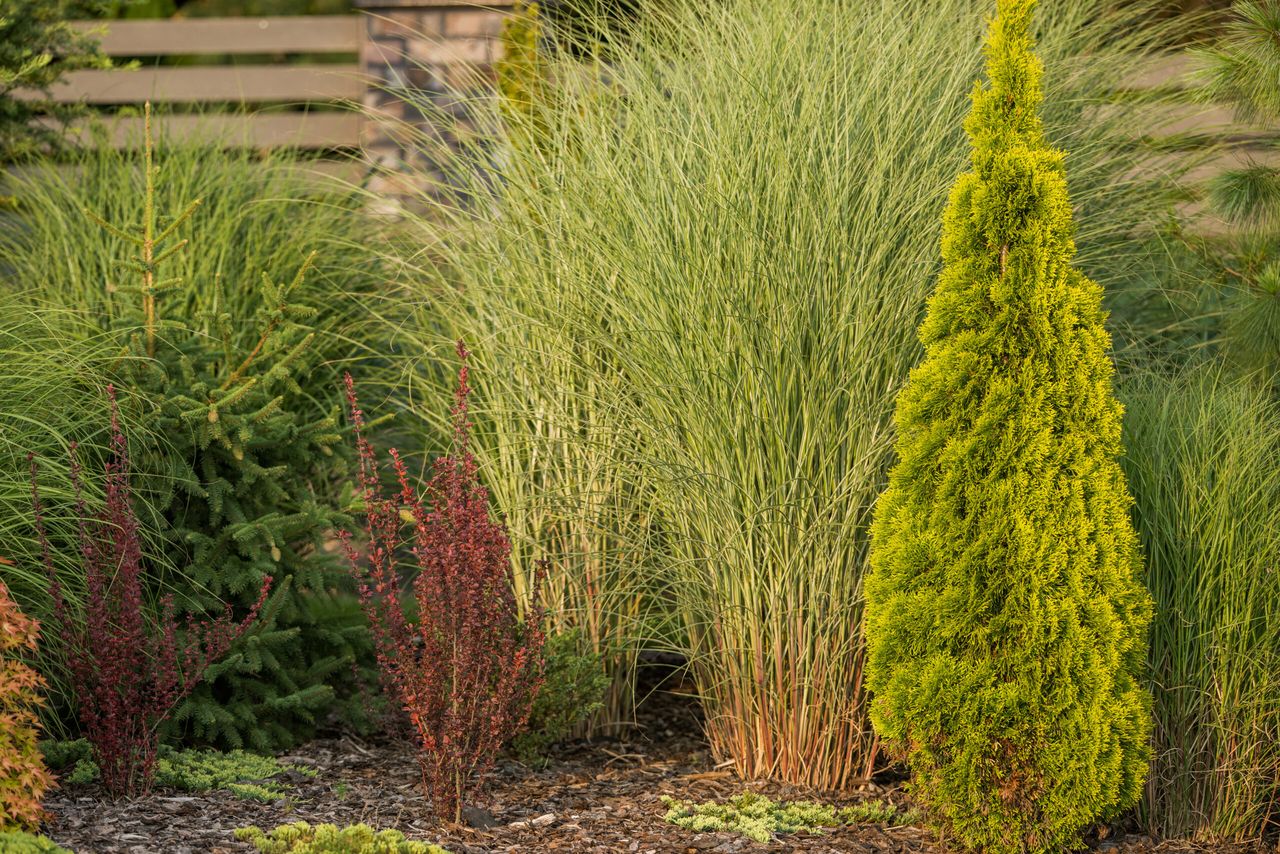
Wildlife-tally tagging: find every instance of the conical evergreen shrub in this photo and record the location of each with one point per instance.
(1005, 621)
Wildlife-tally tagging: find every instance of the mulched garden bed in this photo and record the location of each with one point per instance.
(594, 798)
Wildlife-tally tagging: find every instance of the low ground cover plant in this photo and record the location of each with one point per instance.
(760, 818)
(24, 779)
(250, 776)
(466, 668)
(1005, 618)
(129, 666)
(303, 838)
(21, 842)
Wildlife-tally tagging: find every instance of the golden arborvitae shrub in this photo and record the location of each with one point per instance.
(1006, 623)
(23, 777)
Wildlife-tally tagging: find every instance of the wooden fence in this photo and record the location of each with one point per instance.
(300, 75)
(294, 103)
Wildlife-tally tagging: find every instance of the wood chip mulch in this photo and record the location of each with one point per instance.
(596, 798)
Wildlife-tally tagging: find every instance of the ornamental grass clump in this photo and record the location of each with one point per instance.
(1204, 463)
(129, 666)
(695, 325)
(23, 776)
(1006, 624)
(468, 668)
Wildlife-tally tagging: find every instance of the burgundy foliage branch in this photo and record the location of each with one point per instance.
(129, 666)
(467, 669)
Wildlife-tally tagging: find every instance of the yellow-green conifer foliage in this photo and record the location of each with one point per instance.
(1006, 622)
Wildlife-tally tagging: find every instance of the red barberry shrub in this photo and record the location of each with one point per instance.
(129, 665)
(467, 668)
(23, 777)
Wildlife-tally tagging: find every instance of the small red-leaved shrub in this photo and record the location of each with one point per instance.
(467, 669)
(129, 666)
(23, 777)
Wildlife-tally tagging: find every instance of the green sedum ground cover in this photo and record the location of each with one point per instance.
(760, 818)
(303, 838)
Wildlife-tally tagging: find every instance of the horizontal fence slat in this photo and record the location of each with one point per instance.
(183, 36)
(249, 84)
(311, 130)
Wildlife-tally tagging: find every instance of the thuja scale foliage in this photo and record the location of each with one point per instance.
(23, 777)
(236, 468)
(1006, 625)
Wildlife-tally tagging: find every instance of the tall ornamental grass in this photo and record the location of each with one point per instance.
(692, 304)
(1204, 466)
(260, 212)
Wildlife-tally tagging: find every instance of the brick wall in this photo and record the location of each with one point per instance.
(422, 51)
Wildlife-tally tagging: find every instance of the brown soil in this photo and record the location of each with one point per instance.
(593, 798)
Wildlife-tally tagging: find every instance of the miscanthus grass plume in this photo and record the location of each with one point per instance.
(695, 300)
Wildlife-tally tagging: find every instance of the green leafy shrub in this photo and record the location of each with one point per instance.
(759, 818)
(694, 327)
(238, 463)
(303, 838)
(1202, 463)
(249, 776)
(37, 48)
(18, 842)
(1006, 624)
(573, 690)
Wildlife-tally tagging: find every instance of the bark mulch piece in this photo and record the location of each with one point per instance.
(595, 798)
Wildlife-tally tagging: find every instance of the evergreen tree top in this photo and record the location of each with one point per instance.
(1006, 113)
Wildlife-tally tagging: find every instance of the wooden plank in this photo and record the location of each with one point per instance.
(183, 36)
(249, 84)
(310, 130)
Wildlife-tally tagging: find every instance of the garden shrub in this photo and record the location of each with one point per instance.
(129, 667)
(20, 842)
(38, 47)
(24, 779)
(1202, 463)
(468, 670)
(246, 775)
(694, 327)
(238, 464)
(573, 689)
(1006, 625)
(303, 838)
(261, 212)
(760, 818)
